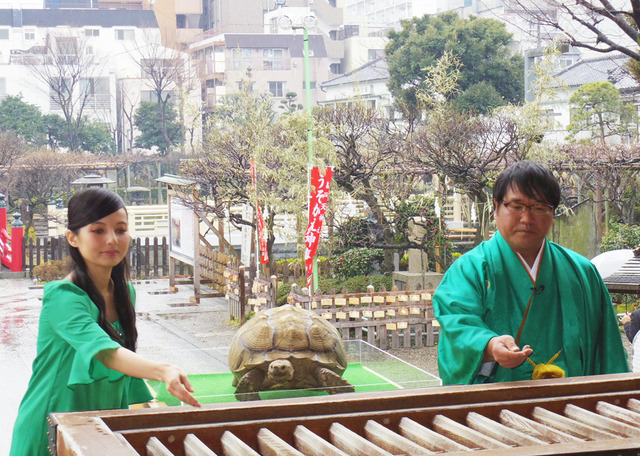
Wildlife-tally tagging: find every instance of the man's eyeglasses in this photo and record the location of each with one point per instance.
(536, 209)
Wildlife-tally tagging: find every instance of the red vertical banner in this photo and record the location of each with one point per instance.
(262, 234)
(317, 205)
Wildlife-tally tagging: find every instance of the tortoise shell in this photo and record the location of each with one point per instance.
(286, 332)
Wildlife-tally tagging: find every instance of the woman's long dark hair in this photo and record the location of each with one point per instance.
(89, 206)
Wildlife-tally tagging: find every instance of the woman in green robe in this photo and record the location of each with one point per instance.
(518, 300)
(87, 336)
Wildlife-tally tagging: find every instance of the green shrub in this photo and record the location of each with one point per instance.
(403, 264)
(290, 261)
(360, 283)
(621, 236)
(357, 284)
(52, 270)
(356, 262)
(353, 233)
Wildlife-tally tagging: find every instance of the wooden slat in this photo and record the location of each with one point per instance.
(601, 422)
(272, 445)
(535, 429)
(634, 404)
(193, 446)
(352, 443)
(463, 434)
(233, 446)
(618, 413)
(427, 438)
(499, 431)
(568, 425)
(311, 444)
(390, 441)
(124, 441)
(155, 447)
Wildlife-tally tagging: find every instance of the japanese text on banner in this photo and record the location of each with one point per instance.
(262, 235)
(317, 206)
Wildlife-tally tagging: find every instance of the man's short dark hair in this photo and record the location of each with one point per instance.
(532, 179)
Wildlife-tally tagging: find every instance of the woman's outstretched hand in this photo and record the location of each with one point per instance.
(179, 386)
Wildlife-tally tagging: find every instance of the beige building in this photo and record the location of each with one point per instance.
(275, 63)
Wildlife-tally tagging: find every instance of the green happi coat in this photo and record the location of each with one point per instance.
(485, 293)
(66, 375)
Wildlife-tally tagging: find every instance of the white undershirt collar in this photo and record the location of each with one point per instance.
(533, 270)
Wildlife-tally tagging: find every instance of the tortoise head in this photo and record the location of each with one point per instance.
(280, 370)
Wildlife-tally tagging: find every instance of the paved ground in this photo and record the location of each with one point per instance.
(171, 329)
(159, 339)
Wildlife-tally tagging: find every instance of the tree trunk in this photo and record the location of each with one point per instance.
(162, 106)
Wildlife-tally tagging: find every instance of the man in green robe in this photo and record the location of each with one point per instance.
(520, 296)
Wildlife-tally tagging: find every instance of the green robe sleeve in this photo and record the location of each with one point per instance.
(458, 306)
(73, 317)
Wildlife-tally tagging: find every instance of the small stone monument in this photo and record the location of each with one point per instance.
(418, 273)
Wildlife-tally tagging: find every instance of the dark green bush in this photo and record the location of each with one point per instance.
(354, 232)
(356, 262)
(353, 285)
(360, 283)
(621, 236)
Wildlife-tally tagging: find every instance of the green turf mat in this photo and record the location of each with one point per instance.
(215, 388)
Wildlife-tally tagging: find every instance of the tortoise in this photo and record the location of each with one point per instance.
(287, 347)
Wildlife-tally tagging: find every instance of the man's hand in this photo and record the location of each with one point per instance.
(504, 351)
(625, 318)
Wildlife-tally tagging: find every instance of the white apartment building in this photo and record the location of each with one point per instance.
(367, 84)
(113, 43)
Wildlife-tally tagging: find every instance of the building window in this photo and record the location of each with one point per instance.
(124, 35)
(152, 68)
(3, 88)
(61, 90)
(273, 59)
(96, 91)
(246, 86)
(277, 88)
(92, 32)
(150, 96)
(29, 35)
(312, 85)
(241, 59)
(375, 54)
(181, 21)
(4, 34)
(68, 50)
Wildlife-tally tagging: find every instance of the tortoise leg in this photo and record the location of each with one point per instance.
(333, 382)
(249, 385)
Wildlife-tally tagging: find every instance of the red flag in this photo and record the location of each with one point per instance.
(262, 235)
(317, 206)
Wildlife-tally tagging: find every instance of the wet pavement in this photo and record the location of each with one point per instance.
(20, 304)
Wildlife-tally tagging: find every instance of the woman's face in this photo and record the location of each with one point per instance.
(103, 243)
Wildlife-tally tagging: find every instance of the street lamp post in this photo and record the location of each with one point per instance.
(308, 22)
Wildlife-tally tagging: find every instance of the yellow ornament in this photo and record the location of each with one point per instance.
(546, 370)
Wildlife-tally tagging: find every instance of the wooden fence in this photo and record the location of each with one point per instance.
(386, 319)
(290, 272)
(213, 264)
(148, 257)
